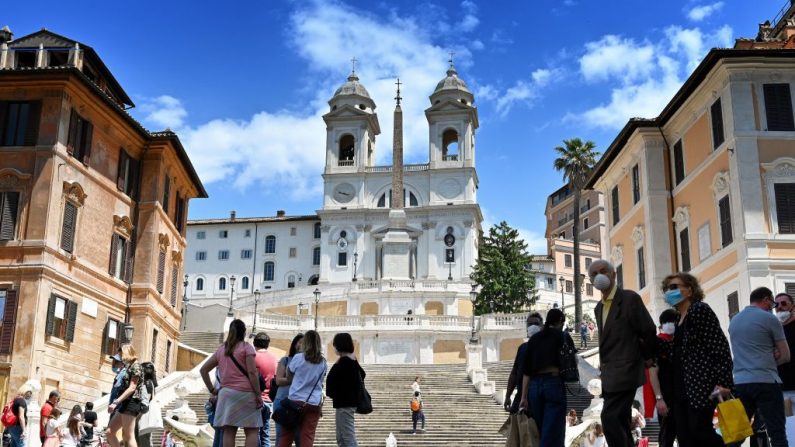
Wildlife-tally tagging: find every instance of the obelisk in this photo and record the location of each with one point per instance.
(397, 242)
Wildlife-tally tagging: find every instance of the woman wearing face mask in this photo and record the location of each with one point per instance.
(661, 378)
(534, 323)
(785, 314)
(541, 377)
(701, 361)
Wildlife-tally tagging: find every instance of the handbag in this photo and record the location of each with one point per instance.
(569, 372)
(288, 412)
(365, 405)
(152, 420)
(733, 420)
(242, 370)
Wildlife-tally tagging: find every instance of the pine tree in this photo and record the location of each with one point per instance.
(503, 272)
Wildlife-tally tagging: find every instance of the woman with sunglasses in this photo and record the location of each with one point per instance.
(701, 361)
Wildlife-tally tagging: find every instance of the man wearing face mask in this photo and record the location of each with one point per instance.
(118, 382)
(786, 371)
(627, 345)
(661, 378)
(534, 323)
(759, 345)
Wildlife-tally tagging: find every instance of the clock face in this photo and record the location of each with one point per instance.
(342, 243)
(344, 193)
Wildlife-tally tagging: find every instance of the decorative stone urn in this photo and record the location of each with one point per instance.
(181, 408)
(594, 411)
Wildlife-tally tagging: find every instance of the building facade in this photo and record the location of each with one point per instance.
(709, 186)
(92, 217)
(560, 216)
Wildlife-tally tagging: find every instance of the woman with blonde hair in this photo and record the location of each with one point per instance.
(239, 402)
(128, 405)
(306, 371)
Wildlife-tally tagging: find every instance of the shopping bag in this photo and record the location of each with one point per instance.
(151, 420)
(643, 442)
(733, 421)
(528, 431)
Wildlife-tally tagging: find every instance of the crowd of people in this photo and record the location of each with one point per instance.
(251, 386)
(690, 365)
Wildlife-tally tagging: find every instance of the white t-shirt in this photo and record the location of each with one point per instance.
(307, 383)
(415, 387)
(52, 424)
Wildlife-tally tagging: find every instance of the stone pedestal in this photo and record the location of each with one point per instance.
(474, 357)
(594, 411)
(181, 408)
(397, 247)
(34, 415)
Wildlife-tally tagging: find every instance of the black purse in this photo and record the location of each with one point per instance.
(569, 372)
(273, 389)
(288, 413)
(365, 405)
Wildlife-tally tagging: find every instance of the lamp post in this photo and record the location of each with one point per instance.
(562, 298)
(317, 302)
(450, 271)
(184, 303)
(231, 295)
(355, 263)
(128, 332)
(491, 304)
(256, 303)
(473, 296)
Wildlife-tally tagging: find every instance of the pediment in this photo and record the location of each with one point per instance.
(43, 37)
(350, 112)
(381, 232)
(449, 105)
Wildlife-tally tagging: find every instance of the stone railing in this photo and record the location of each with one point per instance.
(345, 163)
(406, 168)
(504, 321)
(365, 322)
(392, 284)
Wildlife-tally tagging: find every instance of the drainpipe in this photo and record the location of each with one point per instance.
(670, 181)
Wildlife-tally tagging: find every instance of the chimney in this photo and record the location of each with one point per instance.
(279, 213)
(6, 35)
(232, 215)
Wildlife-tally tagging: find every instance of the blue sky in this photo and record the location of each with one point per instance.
(245, 83)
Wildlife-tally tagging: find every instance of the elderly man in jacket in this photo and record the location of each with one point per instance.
(626, 347)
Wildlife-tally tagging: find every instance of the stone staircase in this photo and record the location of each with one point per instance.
(203, 341)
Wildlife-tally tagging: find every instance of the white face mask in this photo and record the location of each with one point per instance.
(532, 330)
(601, 281)
(784, 315)
(669, 328)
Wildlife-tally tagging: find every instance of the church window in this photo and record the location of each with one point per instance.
(291, 281)
(342, 259)
(200, 284)
(382, 200)
(270, 267)
(346, 150)
(316, 256)
(450, 145)
(317, 230)
(222, 284)
(270, 244)
(244, 283)
(362, 106)
(413, 200)
(409, 198)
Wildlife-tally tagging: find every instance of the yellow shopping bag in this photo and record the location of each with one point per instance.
(733, 420)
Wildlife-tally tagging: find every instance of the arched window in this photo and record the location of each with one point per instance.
(450, 145)
(346, 150)
(270, 244)
(244, 283)
(313, 280)
(291, 281)
(317, 230)
(413, 200)
(270, 267)
(222, 284)
(316, 256)
(200, 284)
(409, 199)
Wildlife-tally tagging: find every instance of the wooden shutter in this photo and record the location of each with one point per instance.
(785, 207)
(679, 162)
(166, 193)
(71, 141)
(122, 177)
(641, 269)
(789, 288)
(161, 271)
(9, 205)
(614, 204)
(3, 123)
(716, 113)
(724, 210)
(71, 320)
(68, 227)
(88, 135)
(106, 338)
(174, 278)
(733, 303)
(179, 212)
(128, 262)
(132, 178)
(620, 275)
(50, 326)
(114, 254)
(9, 323)
(778, 107)
(684, 242)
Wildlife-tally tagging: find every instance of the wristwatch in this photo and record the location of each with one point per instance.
(658, 397)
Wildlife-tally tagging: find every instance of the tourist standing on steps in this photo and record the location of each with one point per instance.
(417, 413)
(661, 378)
(759, 346)
(74, 428)
(239, 402)
(128, 403)
(627, 341)
(306, 370)
(46, 409)
(541, 380)
(534, 324)
(284, 382)
(415, 387)
(786, 371)
(344, 387)
(583, 335)
(701, 361)
(266, 365)
(20, 408)
(52, 432)
(90, 418)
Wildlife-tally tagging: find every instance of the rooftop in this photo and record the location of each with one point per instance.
(250, 220)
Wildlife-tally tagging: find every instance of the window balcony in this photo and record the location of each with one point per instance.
(452, 157)
(345, 163)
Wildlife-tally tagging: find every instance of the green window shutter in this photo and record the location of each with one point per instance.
(68, 227)
(114, 250)
(71, 322)
(50, 326)
(9, 206)
(9, 323)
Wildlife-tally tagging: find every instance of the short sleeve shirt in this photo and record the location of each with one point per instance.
(754, 334)
(20, 403)
(231, 376)
(134, 370)
(46, 410)
(307, 383)
(266, 365)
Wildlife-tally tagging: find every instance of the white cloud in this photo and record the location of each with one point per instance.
(477, 45)
(164, 111)
(612, 56)
(523, 91)
(542, 76)
(470, 20)
(701, 12)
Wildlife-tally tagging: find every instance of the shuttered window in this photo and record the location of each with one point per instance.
(679, 162)
(684, 247)
(168, 356)
(635, 184)
(19, 123)
(68, 227)
(8, 300)
(174, 278)
(724, 212)
(161, 271)
(61, 318)
(778, 107)
(9, 207)
(179, 213)
(154, 346)
(716, 113)
(641, 269)
(166, 194)
(270, 267)
(789, 288)
(733, 303)
(785, 207)
(316, 256)
(614, 205)
(81, 132)
(112, 337)
(119, 257)
(127, 177)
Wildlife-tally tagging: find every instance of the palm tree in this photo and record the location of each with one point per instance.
(576, 160)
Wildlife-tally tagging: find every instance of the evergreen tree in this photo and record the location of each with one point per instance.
(503, 272)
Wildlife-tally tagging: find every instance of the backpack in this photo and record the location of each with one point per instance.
(415, 405)
(148, 384)
(9, 418)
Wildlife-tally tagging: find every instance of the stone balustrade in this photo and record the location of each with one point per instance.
(365, 322)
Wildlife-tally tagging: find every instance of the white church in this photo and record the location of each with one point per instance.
(387, 258)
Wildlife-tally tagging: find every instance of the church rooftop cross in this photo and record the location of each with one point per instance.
(398, 98)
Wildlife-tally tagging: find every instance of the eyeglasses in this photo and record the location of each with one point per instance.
(783, 303)
(673, 286)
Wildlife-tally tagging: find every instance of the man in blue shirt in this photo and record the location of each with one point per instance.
(759, 346)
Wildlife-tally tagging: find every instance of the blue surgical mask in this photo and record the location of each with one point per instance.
(674, 297)
(115, 369)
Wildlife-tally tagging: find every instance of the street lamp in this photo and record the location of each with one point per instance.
(473, 296)
(355, 262)
(491, 304)
(231, 295)
(256, 302)
(128, 332)
(450, 271)
(185, 303)
(317, 302)
(562, 298)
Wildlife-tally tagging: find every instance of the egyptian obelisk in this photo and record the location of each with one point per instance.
(397, 242)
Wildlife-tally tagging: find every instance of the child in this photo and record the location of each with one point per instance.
(168, 441)
(416, 412)
(51, 431)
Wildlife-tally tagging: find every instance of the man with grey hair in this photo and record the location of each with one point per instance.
(627, 343)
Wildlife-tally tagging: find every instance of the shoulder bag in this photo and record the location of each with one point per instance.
(288, 413)
(365, 405)
(245, 374)
(568, 361)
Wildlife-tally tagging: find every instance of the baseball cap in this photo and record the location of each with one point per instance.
(116, 357)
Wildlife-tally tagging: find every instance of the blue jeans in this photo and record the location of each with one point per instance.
(548, 401)
(765, 400)
(15, 431)
(265, 430)
(417, 416)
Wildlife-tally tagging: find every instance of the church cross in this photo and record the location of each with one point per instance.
(398, 91)
(451, 53)
(353, 63)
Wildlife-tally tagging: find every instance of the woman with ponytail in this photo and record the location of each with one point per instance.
(239, 395)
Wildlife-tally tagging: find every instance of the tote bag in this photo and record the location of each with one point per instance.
(151, 420)
(733, 420)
